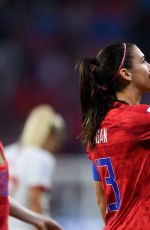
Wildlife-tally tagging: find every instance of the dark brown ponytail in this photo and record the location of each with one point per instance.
(97, 95)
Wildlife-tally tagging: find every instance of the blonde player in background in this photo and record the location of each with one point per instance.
(32, 163)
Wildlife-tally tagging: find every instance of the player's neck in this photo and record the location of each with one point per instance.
(129, 96)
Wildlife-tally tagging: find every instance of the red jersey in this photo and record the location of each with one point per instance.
(122, 159)
(4, 205)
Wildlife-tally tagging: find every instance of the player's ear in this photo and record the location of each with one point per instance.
(126, 74)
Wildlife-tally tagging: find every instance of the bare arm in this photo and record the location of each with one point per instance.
(34, 199)
(100, 198)
(39, 221)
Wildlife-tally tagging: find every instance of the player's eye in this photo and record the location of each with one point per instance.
(144, 60)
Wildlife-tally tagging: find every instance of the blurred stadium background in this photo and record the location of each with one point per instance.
(40, 42)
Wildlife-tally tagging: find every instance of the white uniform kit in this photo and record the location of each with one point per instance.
(29, 166)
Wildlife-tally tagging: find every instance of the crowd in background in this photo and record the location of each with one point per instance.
(40, 43)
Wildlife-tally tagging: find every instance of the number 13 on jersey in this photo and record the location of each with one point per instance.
(111, 181)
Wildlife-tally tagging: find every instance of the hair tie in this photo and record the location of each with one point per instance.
(94, 61)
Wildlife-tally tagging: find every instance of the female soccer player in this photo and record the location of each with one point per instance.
(32, 161)
(116, 129)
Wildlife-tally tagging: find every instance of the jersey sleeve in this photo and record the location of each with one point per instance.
(140, 123)
(94, 173)
(41, 173)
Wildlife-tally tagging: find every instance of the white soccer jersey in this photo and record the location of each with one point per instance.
(29, 166)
